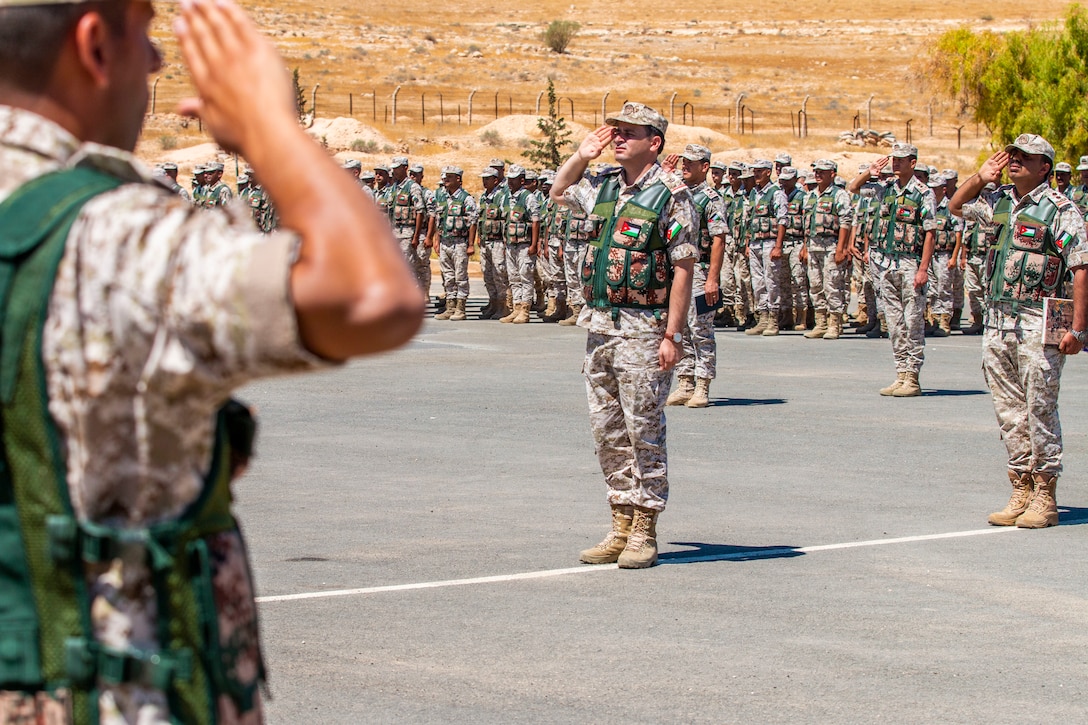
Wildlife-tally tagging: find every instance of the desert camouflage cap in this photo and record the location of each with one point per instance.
(1033, 144)
(243, 179)
(862, 168)
(787, 173)
(936, 181)
(827, 165)
(719, 165)
(366, 174)
(904, 151)
(514, 171)
(783, 159)
(547, 176)
(811, 180)
(398, 161)
(1083, 165)
(639, 114)
(349, 164)
(695, 152)
(738, 166)
(497, 163)
(455, 170)
(950, 174)
(416, 168)
(531, 175)
(1063, 167)
(747, 173)
(382, 167)
(490, 171)
(761, 164)
(169, 165)
(214, 166)
(887, 170)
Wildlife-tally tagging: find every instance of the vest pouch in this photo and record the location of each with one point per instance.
(492, 229)
(223, 585)
(648, 277)
(20, 662)
(632, 233)
(402, 209)
(907, 212)
(616, 275)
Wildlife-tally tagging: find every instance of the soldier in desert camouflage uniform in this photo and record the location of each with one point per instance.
(737, 278)
(579, 232)
(424, 244)
(456, 215)
(767, 232)
(947, 236)
(216, 193)
(150, 313)
(408, 214)
(645, 245)
(978, 236)
(171, 171)
(793, 277)
(492, 226)
(829, 218)
(554, 218)
(1040, 240)
(522, 242)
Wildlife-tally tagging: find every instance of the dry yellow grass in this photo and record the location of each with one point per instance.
(835, 52)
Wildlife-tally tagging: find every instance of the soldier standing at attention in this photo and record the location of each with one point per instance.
(698, 365)
(828, 223)
(492, 248)
(171, 171)
(408, 211)
(522, 241)
(456, 214)
(901, 250)
(366, 182)
(767, 233)
(217, 193)
(198, 182)
(737, 279)
(794, 279)
(579, 231)
(554, 219)
(131, 590)
(948, 235)
(1040, 239)
(424, 243)
(382, 186)
(978, 237)
(638, 276)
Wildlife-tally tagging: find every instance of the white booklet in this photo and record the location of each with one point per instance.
(1057, 319)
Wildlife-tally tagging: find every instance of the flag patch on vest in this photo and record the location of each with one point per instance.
(674, 229)
(1064, 239)
(1026, 231)
(630, 228)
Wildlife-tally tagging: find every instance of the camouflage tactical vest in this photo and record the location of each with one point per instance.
(580, 227)
(702, 200)
(899, 232)
(823, 220)
(452, 222)
(795, 215)
(946, 229)
(519, 228)
(402, 206)
(627, 265)
(492, 215)
(1026, 263)
(763, 222)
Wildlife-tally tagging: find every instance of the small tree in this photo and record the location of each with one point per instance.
(300, 97)
(548, 152)
(559, 33)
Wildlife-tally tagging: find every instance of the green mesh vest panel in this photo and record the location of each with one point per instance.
(900, 232)
(627, 265)
(46, 640)
(1026, 263)
(519, 228)
(702, 201)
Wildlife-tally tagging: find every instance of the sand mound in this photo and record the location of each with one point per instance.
(188, 157)
(679, 136)
(339, 134)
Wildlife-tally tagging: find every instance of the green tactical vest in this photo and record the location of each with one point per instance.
(705, 242)
(795, 215)
(736, 215)
(764, 223)
(46, 637)
(451, 214)
(519, 228)
(823, 219)
(900, 232)
(401, 206)
(945, 236)
(627, 265)
(1026, 263)
(580, 228)
(492, 215)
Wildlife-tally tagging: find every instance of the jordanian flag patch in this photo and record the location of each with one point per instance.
(675, 229)
(1063, 240)
(630, 228)
(1028, 232)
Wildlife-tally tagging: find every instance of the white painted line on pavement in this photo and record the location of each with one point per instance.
(754, 553)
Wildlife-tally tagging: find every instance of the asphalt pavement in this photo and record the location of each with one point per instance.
(415, 519)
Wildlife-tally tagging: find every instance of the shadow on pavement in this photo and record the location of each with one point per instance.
(725, 552)
(1072, 516)
(725, 402)
(952, 393)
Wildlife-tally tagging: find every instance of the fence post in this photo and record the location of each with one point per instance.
(154, 94)
(458, 114)
(751, 121)
(672, 107)
(538, 97)
(908, 129)
(395, 92)
(313, 100)
(604, 113)
(470, 95)
(804, 112)
(351, 105)
(423, 108)
(374, 103)
(931, 117)
(869, 113)
(740, 113)
(441, 110)
(959, 137)
(496, 105)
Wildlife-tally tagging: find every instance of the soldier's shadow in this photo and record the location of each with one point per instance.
(1072, 515)
(730, 402)
(930, 392)
(725, 552)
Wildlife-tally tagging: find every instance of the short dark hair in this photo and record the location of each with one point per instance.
(31, 38)
(655, 132)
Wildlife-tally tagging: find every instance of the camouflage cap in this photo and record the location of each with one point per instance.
(243, 179)
(547, 176)
(382, 167)
(398, 161)
(416, 168)
(695, 152)
(839, 181)
(887, 170)
(366, 174)
(349, 164)
(904, 151)
(1083, 165)
(747, 173)
(787, 173)
(199, 169)
(811, 180)
(1032, 144)
(783, 159)
(497, 164)
(738, 166)
(210, 167)
(761, 164)
(827, 165)
(490, 171)
(950, 174)
(455, 170)
(514, 171)
(922, 169)
(639, 114)
(1062, 166)
(531, 175)
(936, 181)
(169, 165)
(862, 168)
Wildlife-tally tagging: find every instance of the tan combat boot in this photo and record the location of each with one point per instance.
(450, 307)
(772, 324)
(1018, 504)
(943, 327)
(861, 319)
(834, 326)
(761, 324)
(740, 317)
(1042, 511)
(515, 308)
(609, 550)
(701, 397)
(549, 310)
(799, 314)
(571, 319)
(458, 311)
(894, 386)
(976, 325)
(909, 388)
(521, 313)
(821, 326)
(641, 549)
(685, 387)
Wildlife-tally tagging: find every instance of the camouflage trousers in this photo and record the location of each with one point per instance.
(957, 288)
(453, 261)
(417, 256)
(904, 311)
(826, 280)
(939, 289)
(974, 285)
(700, 348)
(574, 253)
(873, 276)
(736, 279)
(493, 267)
(766, 275)
(551, 271)
(1024, 377)
(793, 278)
(522, 270)
(627, 393)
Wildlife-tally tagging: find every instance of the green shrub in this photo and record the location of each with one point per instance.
(559, 33)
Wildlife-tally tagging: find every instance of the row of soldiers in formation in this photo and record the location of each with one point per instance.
(531, 249)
